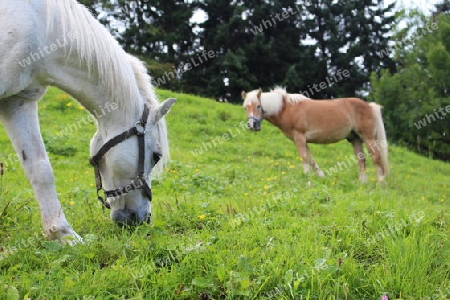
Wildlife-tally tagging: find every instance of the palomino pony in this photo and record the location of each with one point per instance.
(305, 120)
(59, 43)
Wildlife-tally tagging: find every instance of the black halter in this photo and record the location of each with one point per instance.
(140, 182)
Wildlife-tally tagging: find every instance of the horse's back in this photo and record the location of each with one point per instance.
(327, 121)
(353, 114)
(338, 106)
(20, 21)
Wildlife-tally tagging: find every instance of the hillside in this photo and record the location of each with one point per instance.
(233, 218)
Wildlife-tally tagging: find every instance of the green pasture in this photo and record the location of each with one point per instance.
(234, 217)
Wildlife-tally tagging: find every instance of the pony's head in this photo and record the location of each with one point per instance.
(253, 109)
(124, 162)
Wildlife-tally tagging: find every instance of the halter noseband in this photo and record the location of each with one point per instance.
(140, 182)
(255, 119)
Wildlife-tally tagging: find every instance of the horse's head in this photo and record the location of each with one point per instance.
(124, 162)
(253, 108)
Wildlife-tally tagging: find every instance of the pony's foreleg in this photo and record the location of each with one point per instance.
(359, 153)
(305, 154)
(313, 163)
(20, 119)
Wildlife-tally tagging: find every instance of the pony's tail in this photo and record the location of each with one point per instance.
(381, 136)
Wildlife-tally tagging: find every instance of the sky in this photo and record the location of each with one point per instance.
(424, 5)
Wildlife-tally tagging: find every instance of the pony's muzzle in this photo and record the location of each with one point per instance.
(254, 124)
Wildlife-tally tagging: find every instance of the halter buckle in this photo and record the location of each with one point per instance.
(140, 128)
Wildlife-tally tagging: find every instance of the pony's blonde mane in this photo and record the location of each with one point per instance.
(291, 98)
(102, 55)
(272, 102)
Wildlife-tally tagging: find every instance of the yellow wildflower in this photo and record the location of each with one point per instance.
(62, 97)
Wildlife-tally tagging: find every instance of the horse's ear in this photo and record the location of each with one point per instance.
(259, 93)
(164, 108)
(243, 95)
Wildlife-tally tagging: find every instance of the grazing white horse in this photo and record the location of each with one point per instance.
(59, 43)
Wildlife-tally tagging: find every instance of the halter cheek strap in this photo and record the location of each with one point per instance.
(140, 181)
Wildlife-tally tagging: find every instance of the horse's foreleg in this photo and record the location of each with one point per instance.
(20, 119)
(305, 154)
(359, 153)
(314, 164)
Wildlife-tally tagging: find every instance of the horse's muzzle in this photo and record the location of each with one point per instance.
(254, 124)
(126, 217)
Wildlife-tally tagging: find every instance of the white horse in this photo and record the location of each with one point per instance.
(59, 43)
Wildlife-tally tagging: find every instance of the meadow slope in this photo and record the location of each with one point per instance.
(233, 218)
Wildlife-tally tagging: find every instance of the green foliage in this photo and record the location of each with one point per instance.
(238, 221)
(349, 34)
(159, 32)
(416, 98)
(255, 44)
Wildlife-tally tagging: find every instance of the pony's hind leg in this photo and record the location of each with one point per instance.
(359, 153)
(374, 149)
(305, 154)
(20, 119)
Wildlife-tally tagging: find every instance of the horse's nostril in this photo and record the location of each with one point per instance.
(124, 217)
(133, 217)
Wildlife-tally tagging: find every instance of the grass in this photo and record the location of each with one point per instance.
(238, 221)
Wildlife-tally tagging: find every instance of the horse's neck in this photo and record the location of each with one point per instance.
(274, 120)
(66, 71)
(275, 110)
(92, 96)
(91, 66)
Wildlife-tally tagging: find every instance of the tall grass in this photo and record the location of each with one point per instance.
(237, 221)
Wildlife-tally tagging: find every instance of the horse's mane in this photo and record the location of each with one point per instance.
(101, 53)
(147, 91)
(95, 46)
(272, 102)
(291, 98)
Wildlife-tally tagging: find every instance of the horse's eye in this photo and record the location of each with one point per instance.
(258, 107)
(156, 157)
